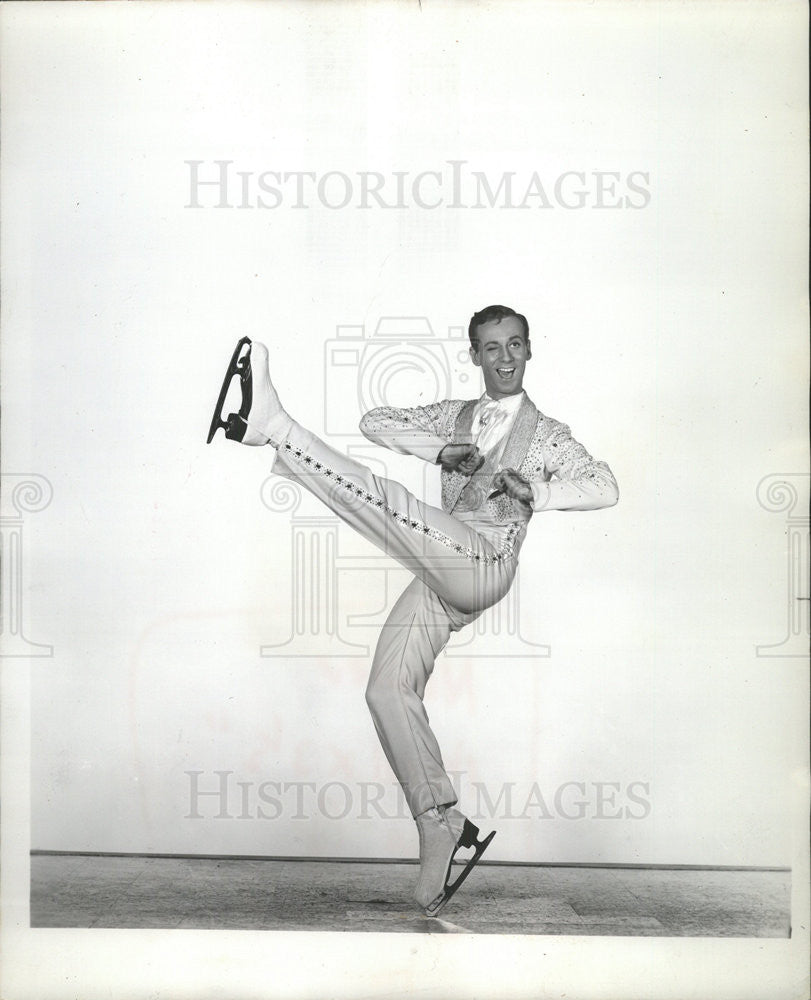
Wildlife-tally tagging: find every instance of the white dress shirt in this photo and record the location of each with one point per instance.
(492, 422)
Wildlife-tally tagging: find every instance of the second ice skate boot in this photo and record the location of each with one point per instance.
(260, 416)
(444, 831)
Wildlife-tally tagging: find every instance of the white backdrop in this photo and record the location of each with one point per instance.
(670, 334)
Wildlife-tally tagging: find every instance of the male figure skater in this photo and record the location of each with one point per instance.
(502, 461)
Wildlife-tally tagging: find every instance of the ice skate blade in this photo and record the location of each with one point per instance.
(467, 840)
(241, 367)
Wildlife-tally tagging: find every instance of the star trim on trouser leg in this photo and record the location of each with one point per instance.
(504, 552)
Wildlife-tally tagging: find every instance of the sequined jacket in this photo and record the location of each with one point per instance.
(563, 475)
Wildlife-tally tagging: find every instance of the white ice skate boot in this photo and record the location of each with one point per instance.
(261, 418)
(443, 831)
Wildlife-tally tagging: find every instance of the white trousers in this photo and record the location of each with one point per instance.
(459, 572)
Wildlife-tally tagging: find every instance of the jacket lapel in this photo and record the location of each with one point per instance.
(454, 482)
(464, 422)
(523, 430)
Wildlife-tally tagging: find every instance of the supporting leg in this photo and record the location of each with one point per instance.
(416, 631)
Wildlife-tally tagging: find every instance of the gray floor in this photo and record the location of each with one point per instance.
(93, 891)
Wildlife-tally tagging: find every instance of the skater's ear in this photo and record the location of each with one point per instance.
(474, 354)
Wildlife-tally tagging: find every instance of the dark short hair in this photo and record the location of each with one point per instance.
(494, 314)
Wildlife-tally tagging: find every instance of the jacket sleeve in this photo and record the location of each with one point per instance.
(579, 482)
(422, 431)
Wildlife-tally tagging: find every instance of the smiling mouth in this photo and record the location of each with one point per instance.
(505, 372)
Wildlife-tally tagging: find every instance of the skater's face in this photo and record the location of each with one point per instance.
(502, 352)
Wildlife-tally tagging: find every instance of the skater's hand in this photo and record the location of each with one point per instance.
(514, 485)
(464, 458)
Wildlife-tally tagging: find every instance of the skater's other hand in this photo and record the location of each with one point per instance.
(464, 458)
(513, 484)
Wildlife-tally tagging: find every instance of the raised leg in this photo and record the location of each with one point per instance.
(465, 569)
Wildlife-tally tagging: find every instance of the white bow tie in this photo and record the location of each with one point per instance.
(492, 418)
(488, 409)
